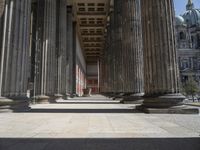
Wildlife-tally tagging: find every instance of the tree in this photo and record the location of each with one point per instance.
(191, 88)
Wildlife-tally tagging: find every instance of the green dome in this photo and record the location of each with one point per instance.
(192, 15)
(180, 21)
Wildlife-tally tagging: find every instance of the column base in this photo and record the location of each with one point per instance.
(58, 96)
(66, 96)
(166, 104)
(41, 99)
(109, 94)
(118, 96)
(133, 99)
(10, 105)
(174, 110)
(86, 95)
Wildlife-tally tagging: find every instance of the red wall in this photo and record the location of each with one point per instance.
(80, 81)
(93, 84)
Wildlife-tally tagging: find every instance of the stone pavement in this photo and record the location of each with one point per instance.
(96, 120)
(197, 104)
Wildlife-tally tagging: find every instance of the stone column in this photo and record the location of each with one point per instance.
(132, 50)
(110, 58)
(46, 68)
(69, 58)
(14, 49)
(2, 5)
(74, 59)
(61, 46)
(4, 22)
(127, 50)
(108, 61)
(15, 24)
(104, 64)
(103, 70)
(117, 48)
(160, 60)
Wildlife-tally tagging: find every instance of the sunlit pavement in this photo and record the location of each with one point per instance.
(96, 117)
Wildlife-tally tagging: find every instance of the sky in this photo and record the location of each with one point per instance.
(180, 5)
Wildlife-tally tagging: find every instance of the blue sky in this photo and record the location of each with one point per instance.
(180, 5)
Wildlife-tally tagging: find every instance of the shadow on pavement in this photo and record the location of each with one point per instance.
(36, 110)
(85, 102)
(100, 144)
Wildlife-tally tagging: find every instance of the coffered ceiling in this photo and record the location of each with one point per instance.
(91, 17)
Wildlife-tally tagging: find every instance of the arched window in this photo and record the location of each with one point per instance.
(198, 40)
(182, 36)
(192, 40)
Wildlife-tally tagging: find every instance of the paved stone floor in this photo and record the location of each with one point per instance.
(94, 118)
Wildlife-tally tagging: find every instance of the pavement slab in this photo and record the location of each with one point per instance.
(38, 124)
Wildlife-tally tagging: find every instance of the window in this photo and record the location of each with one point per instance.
(198, 65)
(185, 65)
(198, 40)
(182, 36)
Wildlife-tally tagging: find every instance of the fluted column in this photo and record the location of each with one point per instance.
(161, 73)
(49, 49)
(102, 72)
(69, 58)
(111, 55)
(4, 22)
(117, 50)
(45, 53)
(61, 47)
(106, 63)
(160, 60)
(2, 5)
(132, 50)
(15, 48)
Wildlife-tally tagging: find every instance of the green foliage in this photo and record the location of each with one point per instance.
(191, 88)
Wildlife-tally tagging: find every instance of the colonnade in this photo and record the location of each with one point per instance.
(50, 48)
(139, 58)
(141, 51)
(34, 50)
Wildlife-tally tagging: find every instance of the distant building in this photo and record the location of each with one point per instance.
(188, 42)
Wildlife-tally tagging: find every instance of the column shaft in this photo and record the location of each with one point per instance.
(61, 46)
(69, 58)
(132, 51)
(14, 48)
(161, 73)
(160, 62)
(45, 49)
(118, 46)
(69, 54)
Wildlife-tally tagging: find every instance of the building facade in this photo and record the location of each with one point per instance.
(188, 42)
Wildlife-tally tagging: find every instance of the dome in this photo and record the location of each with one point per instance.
(180, 21)
(192, 17)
